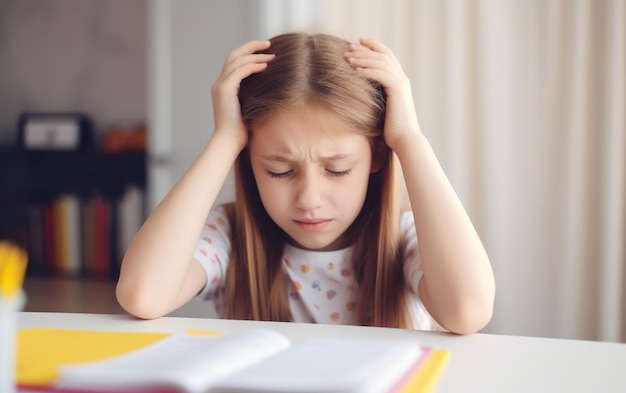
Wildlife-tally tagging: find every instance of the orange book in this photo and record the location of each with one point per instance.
(50, 239)
(62, 236)
(69, 237)
(87, 236)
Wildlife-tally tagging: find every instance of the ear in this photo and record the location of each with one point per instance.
(380, 152)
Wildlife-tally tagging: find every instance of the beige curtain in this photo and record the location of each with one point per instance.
(524, 102)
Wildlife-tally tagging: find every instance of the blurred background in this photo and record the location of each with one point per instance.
(523, 101)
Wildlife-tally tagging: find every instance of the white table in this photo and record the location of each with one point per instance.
(478, 362)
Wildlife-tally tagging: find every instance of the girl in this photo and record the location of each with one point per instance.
(314, 127)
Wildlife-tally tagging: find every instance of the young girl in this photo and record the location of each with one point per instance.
(314, 127)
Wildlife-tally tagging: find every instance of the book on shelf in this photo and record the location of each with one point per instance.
(67, 213)
(258, 360)
(86, 235)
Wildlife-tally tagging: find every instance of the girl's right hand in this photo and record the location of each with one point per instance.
(240, 63)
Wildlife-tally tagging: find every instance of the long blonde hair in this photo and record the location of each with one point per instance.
(311, 69)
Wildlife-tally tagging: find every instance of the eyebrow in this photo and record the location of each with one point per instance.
(275, 157)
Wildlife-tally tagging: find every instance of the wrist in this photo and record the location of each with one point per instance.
(405, 141)
(225, 144)
(230, 140)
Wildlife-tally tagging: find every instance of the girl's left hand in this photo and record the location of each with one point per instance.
(375, 61)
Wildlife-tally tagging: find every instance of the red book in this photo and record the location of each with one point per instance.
(102, 241)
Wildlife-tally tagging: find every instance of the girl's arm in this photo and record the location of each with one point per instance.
(158, 272)
(458, 285)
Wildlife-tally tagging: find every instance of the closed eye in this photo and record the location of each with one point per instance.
(338, 173)
(279, 175)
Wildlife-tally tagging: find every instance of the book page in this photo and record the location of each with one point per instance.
(191, 362)
(331, 365)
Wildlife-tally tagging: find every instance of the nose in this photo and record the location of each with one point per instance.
(309, 192)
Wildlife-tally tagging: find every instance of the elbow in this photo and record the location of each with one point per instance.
(470, 318)
(473, 309)
(462, 312)
(469, 314)
(136, 301)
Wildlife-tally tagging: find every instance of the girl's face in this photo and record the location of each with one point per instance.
(312, 172)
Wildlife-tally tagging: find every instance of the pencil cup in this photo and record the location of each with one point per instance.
(9, 307)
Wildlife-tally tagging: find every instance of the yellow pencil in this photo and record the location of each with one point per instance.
(5, 248)
(13, 262)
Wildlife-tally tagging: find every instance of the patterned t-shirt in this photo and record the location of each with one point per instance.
(322, 287)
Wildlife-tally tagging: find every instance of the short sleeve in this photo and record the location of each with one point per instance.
(213, 252)
(413, 273)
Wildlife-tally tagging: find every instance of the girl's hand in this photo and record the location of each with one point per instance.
(375, 61)
(240, 63)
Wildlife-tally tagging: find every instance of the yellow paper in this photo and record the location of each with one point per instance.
(203, 332)
(42, 350)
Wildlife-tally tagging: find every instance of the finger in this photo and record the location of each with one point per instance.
(229, 83)
(368, 62)
(360, 50)
(380, 52)
(247, 59)
(383, 71)
(365, 58)
(378, 75)
(237, 74)
(249, 47)
(376, 46)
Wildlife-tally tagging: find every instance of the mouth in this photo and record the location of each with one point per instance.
(312, 225)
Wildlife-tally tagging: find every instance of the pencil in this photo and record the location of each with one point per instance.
(13, 262)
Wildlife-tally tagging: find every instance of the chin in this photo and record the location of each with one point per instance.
(309, 244)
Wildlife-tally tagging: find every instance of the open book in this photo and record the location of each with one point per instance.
(257, 361)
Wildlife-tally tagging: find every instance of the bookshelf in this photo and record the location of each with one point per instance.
(75, 211)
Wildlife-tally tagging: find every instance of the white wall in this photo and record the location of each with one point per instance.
(72, 55)
(189, 40)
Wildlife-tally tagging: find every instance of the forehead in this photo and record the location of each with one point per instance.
(306, 128)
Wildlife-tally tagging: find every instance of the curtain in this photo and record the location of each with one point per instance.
(524, 102)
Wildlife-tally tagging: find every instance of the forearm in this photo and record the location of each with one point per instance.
(156, 265)
(458, 285)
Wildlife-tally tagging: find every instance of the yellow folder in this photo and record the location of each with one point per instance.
(41, 351)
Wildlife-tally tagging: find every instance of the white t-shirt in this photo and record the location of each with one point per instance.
(322, 287)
